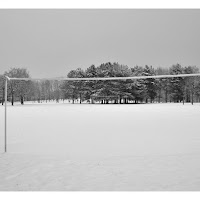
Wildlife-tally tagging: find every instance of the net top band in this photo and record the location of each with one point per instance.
(106, 78)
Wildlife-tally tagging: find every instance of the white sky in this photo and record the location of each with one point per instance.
(49, 43)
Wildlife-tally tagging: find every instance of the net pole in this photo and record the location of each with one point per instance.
(6, 85)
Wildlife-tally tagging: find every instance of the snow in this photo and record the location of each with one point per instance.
(101, 147)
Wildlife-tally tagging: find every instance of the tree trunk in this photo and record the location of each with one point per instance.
(3, 97)
(12, 99)
(80, 99)
(159, 96)
(166, 96)
(192, 98)
(22, 99)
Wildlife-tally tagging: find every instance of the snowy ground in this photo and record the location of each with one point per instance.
(101, 147)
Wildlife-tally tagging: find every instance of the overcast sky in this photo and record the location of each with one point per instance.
(49, 43)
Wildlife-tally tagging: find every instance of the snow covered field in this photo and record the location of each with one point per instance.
(101, 147)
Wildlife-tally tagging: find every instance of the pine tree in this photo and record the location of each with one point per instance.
(151, 83)
(177, 85)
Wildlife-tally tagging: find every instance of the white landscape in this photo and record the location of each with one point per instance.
(65, 147)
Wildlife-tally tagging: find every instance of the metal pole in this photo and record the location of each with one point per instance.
(6, 83)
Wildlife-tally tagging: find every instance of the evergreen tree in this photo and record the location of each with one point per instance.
(177, 85)
(151, 83)
(162, 85)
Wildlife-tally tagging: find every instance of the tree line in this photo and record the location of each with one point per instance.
(178, 89)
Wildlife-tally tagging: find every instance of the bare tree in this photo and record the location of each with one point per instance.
(17, 88)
